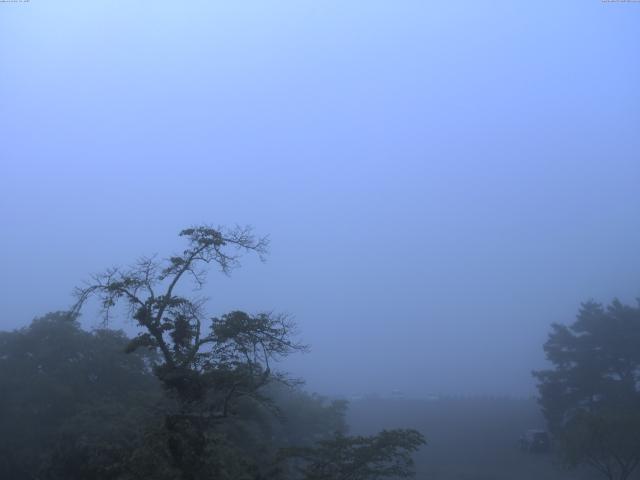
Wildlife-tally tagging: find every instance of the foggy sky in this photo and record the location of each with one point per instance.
(440, 180)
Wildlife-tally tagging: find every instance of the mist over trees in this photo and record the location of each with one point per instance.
(195, 397)
(71, 399)
(439, 277)
(591, 396)
(190, 397)
(76, 406)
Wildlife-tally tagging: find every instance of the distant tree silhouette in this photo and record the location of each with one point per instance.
(75, 406)
(207, 365)
(216, 373)
(591, 396)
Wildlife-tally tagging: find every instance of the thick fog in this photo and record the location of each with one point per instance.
(440, 181)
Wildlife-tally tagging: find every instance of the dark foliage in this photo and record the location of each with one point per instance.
(76, 406)
(591, 398)
(216, 374)
(67, 390)
(207, 366)
(386, 455)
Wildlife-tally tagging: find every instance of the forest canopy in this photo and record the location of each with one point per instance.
(189, 397)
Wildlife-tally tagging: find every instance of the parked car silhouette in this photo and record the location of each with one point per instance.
(535, 441)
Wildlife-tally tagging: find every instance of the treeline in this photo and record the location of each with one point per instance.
(190, 397)
(195, 397)
(74, 405)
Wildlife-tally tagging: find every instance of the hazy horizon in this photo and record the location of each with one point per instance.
(440, 181)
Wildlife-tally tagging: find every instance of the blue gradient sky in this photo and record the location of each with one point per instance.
(440, 180)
